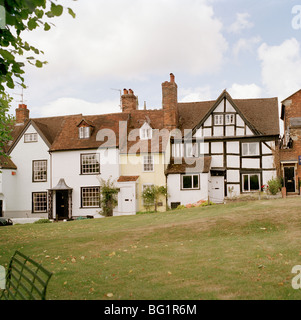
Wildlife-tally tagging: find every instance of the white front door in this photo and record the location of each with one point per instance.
(217, 190)
(128, 200)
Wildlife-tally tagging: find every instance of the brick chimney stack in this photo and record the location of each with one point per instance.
(170, 103)
(129, 101)
(22, 114)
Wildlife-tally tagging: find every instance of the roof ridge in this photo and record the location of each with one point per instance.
(52, 117)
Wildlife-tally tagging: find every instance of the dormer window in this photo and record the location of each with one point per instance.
(85, 128)
(84, 132)
(146, 132)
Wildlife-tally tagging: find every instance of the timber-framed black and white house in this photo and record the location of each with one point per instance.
(238, 140)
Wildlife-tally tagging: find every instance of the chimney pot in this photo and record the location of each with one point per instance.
(172, 78)
(22, 114)
(129, 101)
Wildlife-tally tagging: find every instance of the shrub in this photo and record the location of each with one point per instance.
(206, 203)
(151, 194)
(180, 207)
(145, 212)
(108, 198)
(274, 185)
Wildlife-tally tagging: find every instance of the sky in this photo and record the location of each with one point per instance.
(249, 47)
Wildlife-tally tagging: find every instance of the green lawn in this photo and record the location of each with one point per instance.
(241, 250)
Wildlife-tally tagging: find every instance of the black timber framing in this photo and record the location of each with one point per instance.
(240, 140)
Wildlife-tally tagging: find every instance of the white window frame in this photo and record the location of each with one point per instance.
(191, 150)
(146, 163)
(39, 202)
(84, 132)
(218, 119)
(92, 165)
(249, 183)
(230, 118)
(30, 137)
(92, 199)
(177, 150)
(146, 132)
(248, 152)
(192, 181)
(39, 171)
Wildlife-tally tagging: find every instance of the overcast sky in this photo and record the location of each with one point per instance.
(248, 47)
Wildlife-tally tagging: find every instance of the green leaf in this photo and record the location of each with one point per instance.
(70, 11)
(32, 23)
(49, 14)
(35, 50)
(39, 13)
(39, 64)
(26, 46)
(57, 10)
(10, 83)
(46, 26)
(6, 55)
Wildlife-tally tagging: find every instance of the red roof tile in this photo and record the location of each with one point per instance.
(7, 163)
(189, 165)
(127, 178)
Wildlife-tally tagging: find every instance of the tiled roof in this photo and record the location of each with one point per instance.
(263, 114)
(7, 163)
(155, 118)
(61, 133)
(127, 178)
(189, 165)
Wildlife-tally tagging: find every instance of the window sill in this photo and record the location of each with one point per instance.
(89, 174)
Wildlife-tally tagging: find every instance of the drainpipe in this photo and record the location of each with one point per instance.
(50, 165)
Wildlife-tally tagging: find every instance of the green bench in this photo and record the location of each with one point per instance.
(25, 279)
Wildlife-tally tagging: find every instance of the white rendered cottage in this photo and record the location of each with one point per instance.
(57, 164)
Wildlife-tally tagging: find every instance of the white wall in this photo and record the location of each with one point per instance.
(268, 175)
(18, 190)
(186, 196)
(7, 187)
(233, 147)
(67, 165)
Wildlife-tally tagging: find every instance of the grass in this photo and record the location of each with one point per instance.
(242, 250)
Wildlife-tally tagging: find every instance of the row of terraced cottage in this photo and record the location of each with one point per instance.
(200, 150)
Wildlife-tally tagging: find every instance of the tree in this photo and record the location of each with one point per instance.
(108, 195)
(19, 16)
(6, 122)
(151, 196)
